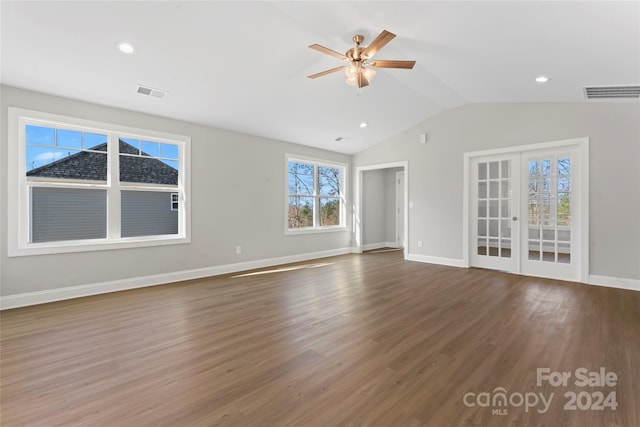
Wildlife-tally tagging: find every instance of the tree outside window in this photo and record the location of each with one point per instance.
(314, 195)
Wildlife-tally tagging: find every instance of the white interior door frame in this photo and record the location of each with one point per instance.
(399, 211)
(582, 144)
(357, 222)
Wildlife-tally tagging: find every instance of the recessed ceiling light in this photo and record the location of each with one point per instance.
(542, 79)
(363, 124)
(126, 47)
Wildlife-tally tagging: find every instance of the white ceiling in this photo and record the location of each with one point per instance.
(243, 65)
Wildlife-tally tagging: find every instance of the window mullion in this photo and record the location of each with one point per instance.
(113, 187)
(316, 194)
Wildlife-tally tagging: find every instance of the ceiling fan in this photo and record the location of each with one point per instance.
(359, 72)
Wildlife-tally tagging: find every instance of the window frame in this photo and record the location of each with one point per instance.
(316, 228)
(18, 186)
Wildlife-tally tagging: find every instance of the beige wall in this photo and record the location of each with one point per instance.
(436, 171)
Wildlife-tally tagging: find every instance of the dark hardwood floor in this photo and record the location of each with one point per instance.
(352, 340)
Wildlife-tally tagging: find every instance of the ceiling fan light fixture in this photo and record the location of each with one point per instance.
(369, 74)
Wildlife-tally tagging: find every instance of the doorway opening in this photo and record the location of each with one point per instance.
(381, 216)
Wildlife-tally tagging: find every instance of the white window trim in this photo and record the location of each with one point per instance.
(343, 201)
(18, 199)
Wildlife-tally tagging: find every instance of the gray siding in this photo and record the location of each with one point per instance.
(68, 214)
(146, 213)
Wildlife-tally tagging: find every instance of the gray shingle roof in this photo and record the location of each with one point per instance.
(93, 166)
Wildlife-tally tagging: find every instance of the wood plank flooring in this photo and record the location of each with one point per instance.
(354, 340)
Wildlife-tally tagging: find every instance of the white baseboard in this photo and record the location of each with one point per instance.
(41, 297)
(451, 262)
(379, 245)
(614, 282)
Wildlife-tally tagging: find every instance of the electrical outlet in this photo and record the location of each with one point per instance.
(238, 250)
(419, 243)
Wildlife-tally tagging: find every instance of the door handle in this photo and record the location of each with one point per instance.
(515, 218)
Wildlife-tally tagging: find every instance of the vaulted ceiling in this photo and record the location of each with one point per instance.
(242, 65)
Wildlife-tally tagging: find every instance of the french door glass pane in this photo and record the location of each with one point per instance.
(482, 171)
(505, 248)
(482, 246)
(494, 209)
(505, 208)
(549, 234)
(482, 227)
(494, 170)
(482, 190)
(506, 169)
(564, 253)
(493, 227)
(549, 209)
(506, 188)
(493, 247)
(482, 208)
(505, 228)
(494, 189)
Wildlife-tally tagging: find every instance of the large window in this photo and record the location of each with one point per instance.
(315, 195)
(77, 185)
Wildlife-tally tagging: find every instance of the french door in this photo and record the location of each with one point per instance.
(551, 238)
(495, 205)
(526, 212)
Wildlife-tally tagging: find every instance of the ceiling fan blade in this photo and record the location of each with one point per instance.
(392, 64)
(328, 51)
(325, 72)
(383, 38)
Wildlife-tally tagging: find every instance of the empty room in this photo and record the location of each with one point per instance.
(320, 213)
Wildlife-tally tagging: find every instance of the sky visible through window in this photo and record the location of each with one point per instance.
(46, 145)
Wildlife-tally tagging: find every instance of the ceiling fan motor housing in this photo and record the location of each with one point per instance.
(355, 53)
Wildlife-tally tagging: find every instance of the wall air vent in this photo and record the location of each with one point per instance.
(149, 91)
(612, 92)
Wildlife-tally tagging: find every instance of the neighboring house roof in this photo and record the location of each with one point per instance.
(93, 166)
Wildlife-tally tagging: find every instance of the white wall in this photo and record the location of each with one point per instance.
(436, 171)
(238, 185)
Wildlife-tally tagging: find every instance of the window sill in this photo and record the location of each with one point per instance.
(50, 248)
(294, 232)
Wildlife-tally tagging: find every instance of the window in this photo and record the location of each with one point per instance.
(77, 185)
(174, 201)
(315, 195)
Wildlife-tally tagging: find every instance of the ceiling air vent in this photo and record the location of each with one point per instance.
(149, 91)
(612, 92)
